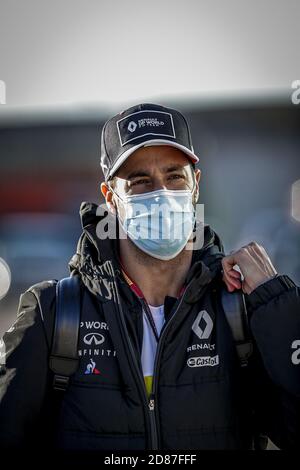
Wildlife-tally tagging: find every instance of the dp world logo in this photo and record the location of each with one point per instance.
(132, 126)
(94, 338)
(203, 325)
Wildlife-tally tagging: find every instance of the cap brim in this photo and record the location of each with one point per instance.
(150, 143)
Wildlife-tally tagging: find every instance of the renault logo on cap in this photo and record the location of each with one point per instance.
(203, 325)
(132, 126)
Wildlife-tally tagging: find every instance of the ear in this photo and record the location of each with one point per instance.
(198, 175)
(104, 189)
(108, 195)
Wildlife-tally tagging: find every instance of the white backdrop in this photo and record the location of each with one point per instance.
(66, 51)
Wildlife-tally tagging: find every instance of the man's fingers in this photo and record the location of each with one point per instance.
(231, 277)
(254, 265)
(229, 286)
(234, 273)
(236, 283)
(228, 262)
(232, 281)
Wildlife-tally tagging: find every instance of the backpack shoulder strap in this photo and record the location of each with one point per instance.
(235, 310)
(64, 359)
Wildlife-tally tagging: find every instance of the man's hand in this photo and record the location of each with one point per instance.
(254, 264)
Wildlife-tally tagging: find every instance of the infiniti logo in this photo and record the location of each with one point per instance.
(94, 338)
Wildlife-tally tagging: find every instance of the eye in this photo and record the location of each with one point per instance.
(140, 181)
(176, 176)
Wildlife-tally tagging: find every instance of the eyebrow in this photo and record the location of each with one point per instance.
(173, 167)
(166, 169)
(138, 173)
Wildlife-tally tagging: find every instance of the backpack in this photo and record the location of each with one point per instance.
(64, 359)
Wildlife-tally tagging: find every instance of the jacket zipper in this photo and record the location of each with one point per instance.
(153, 395)
(152, 399)
(140, 379)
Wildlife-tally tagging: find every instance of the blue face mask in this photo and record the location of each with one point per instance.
(159, 223)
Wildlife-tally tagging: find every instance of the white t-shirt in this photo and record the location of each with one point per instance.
(150, 343)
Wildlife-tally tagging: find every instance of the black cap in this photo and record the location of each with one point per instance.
(142, 125)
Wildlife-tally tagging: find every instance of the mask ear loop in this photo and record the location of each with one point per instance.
(115, 194)
(194, 203)
(113, 191)
(117, 212)
(198, 224)
(194, 188)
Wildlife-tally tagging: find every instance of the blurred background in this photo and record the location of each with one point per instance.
(70, 65)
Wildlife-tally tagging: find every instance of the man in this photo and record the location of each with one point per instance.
(158, 364)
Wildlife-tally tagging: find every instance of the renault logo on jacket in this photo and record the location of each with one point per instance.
(94, 338)
(203, 325)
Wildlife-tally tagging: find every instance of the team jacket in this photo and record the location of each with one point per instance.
(201, 398)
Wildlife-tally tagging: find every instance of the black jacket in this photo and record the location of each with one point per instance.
(202, 398)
